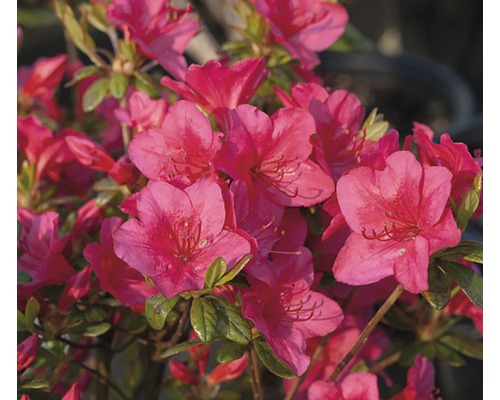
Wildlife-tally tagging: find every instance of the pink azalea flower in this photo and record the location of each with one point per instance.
(271, 155)
(115, 276)
(161, 31)
(42, 258)
(217, 87)
(88, 219)
(399, 217)
(27, 351)
(184, 145)
(286, 311)
(76, 287)
(460, 304)
(38, 83)
(142, 112)
(179, 233)
(456, 158)
(357, 386)
(339, 118)
(420, 380)
(304, 27)
(73, 393)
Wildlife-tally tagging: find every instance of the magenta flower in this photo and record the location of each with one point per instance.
(420, 381)
(304, 27)
(357, 386)
(271, 155)
(76, 287)
(161, 31)
(399, 217)
(179, 233)
(27, 351)
(142, 112)
(184, 145)
(216, 87)
(286, 311)
(115, 276)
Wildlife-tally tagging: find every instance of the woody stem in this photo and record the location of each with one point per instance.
(367, 331)
(253, 367)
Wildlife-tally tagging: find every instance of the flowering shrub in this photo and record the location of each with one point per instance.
(232, 228)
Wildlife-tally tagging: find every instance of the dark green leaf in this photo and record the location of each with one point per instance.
(439, 291)
(463, 344)
(271, 361)
(446, 354)
(204, 319)
(408, 353)
(22, 277)
(178, 348)
(469, 250)
(95, 94)
(36, 17)
(235, 270)
(229, 352)
(95, 314)
(96, 329)
(82, 73)
(215, 272)
(118, 85)
(157, 309)
(21, 325)
(31, 312)
(36, 383)
(230, 322)
(470, 282)
(146, 84)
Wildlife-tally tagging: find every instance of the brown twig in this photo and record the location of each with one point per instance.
(253, 367)
(366, 332)
(383, 364)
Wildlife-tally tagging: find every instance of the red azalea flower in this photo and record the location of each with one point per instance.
(420, 380)
(161, 31)
(184, 145)
(399, 217)
(271, 155)
(27, 351)
(304, 27)
(178, 235)
(286, 311)
(115, 276)
(357, 386)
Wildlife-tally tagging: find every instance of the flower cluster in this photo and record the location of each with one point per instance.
(164, 211)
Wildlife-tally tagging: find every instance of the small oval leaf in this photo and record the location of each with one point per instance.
(229, 352)
(118, 84)
(439, 292)
(470, 282)
(215, 271)
(271, 361)
(230, 322)
(95, 94)
(31, 312)
(235, 270)
(22, 277)
(157, 308)
(204, 319)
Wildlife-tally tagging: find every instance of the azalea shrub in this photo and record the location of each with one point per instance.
(235, 229)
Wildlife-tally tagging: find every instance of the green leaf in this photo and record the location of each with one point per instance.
(235, 270)
(31, 312)
(204, 319)
(36, 383)
(215, 272)
(95, 94)
(96, 14)
(439, 292)
(470, 282)
(229, 352)
(95, 314)
(96, 329)
(36, 17)
(463, 344)
(82, 73)
(452, 357)
(469, 250)
(179, 348)
(469, 204)
(230, 321)
(157, 309)
(22, 277)
(147, 84)
(118, 85)
(21, 325)
(271, 360)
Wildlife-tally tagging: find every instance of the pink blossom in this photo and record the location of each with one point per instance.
(161, 31)
(184, 145)
(42, 258)
(304, 27)
(271, 155)
(114, 275)
(460, 304)
(420, 380)
(179, 233)
(357, 386)
(27, 351)
(88, 219)
(286, 311)
(227, 371)
(399, 217)
(73, 393)
(217, 87)
(76, 287)
(142, 112)
(182, 373)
